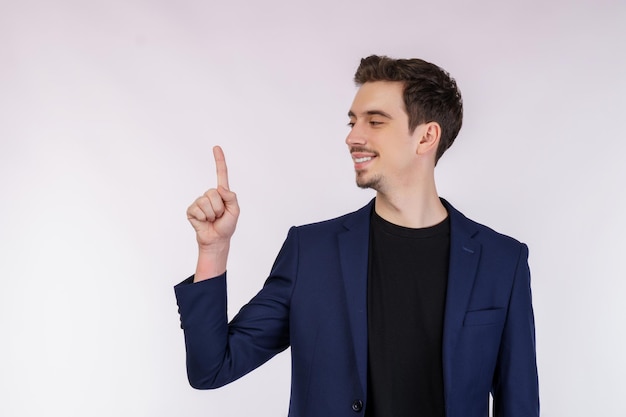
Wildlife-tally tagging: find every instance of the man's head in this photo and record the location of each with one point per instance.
(429, 93)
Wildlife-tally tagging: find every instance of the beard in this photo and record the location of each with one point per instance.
(363, 182)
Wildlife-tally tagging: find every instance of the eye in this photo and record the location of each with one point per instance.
(350, 125)
(375, 123)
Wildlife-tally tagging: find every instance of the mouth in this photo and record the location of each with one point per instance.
(362, 159)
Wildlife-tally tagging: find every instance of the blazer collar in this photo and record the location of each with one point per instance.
(464, 257)
(353, 255)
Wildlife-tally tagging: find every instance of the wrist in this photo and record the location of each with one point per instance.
(211, 261)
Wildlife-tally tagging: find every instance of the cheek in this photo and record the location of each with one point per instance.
(404, 157)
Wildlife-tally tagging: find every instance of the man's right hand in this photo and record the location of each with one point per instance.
(214, 218)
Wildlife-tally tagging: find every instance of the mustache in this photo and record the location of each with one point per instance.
(362, 150)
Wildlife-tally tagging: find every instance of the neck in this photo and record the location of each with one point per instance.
(416, 207)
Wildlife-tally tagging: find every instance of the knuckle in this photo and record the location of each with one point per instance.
(213, 195)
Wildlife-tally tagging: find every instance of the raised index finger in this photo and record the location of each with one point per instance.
(220, 167)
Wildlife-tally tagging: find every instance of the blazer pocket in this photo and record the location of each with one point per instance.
(484, 317)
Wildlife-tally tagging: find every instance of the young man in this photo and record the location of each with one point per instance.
(402, 308)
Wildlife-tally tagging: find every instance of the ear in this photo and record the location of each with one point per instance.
(428, 136)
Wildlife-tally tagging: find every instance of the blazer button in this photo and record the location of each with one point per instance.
(357, 405)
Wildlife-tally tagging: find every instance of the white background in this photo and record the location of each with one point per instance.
(109, 110)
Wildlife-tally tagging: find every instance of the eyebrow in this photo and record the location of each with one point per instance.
(372, 113)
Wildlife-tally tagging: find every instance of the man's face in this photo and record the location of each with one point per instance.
(382, 148)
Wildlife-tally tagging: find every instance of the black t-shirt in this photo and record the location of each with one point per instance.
(407, 281)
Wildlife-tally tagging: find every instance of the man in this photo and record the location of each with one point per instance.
(402, 308)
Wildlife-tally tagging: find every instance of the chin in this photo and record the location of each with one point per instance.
(373, 183)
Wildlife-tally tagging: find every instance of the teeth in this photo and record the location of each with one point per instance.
(359, 160)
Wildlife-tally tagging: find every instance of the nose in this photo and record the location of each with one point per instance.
(355, 137)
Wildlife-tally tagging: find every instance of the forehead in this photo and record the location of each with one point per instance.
(379, 95)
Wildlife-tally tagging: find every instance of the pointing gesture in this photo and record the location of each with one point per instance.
(220, 167)
(214, 218)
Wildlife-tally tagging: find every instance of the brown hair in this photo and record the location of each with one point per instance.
(430, 94)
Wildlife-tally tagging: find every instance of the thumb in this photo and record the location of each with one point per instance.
(229, 197)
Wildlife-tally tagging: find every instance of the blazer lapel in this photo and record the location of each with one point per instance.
(464, 258)
(353, 254)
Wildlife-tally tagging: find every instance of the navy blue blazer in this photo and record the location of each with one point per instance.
(315, 301)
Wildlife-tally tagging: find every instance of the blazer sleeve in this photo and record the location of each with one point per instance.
(219, 352)
(515, 386)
